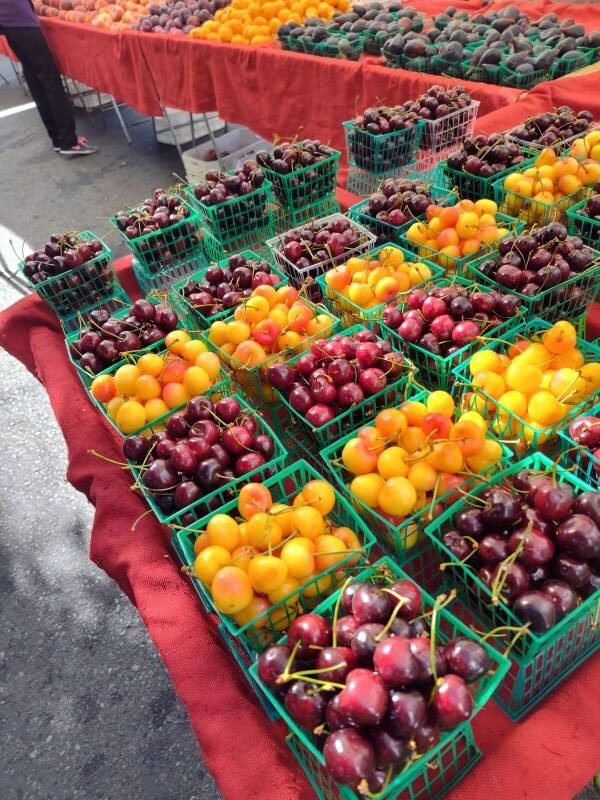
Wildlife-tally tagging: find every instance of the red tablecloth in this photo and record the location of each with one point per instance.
(268, 89)
(547, 757)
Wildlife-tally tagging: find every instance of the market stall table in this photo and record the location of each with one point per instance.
(549, 755)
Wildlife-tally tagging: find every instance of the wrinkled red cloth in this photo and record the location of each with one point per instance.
(547, 757)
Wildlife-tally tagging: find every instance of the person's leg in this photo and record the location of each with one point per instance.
(45, 84)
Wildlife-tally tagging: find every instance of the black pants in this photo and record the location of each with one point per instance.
(45, 84)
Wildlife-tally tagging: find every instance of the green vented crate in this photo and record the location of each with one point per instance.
(79, 290)
(192, 316)
(253, 379)
(474, 187)
(587, 228)
(540, 662)
(401, 538)
(380, 153)
(578, 458)
(504, 422)
(306, 185)
(567, 300)
(218, 497)
(531, 211)
(350, 313)
(415, 780)
(436, 372)
(267, 628)
(361, 414)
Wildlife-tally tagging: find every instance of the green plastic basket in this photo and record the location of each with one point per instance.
(400, 61)
(212, 247)
(540, 662)
(284, 219)
(239, 221)
(112, 304)
(393, 233)
(294, 437)
(531, 211)
(580, 458)
(406, 782)
(563, 66)
(568, 300)
(219, 387)
(306, 185)
(460, 266)
(502, 421)
(382, 152)
(216, 499)
(399, 540)
(192, 316)
(168, 247)
(82, 289)
(474, 187)
(350, 313)
(358, 415)
(300, 276)
(436, 372)
(586, 228)
(253, 380)
(361, 182)
(453, 69)
(347, 49)
(430, 779)
(482, 73)
(87, 377)
(521, 80)
(284, 486)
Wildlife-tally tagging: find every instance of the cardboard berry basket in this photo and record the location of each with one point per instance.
(539, 661)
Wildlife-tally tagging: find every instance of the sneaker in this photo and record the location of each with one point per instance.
(56, 149)
(82, 148)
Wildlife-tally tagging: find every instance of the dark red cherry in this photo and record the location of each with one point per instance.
(371, 604)
(537, 548)
(364, 700)
(388, 749)
(426, 737)
(421, 649)
(395, 663)
(336, 662)
(407, 713)
(579, 536)
(554, 502)
(305, 704)
(347, 595)
(564, 597)
(410, 594)
(466, 658)
(365, 640)
(537, 609)
(452, 702)
(272, 663)
(313, 633)
(349, 757)
(572, 570)
(517, 580)
(345, 629)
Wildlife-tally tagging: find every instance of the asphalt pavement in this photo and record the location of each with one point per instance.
(87, 710)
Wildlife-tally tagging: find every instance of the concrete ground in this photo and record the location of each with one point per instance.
(86, 706)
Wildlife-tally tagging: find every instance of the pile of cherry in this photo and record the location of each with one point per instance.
(163, 215)
(221, 188)
(309, 185)
(585, 431)
(337, 374)
(106, 339)
(331, 242)
(535, 544)
(539, 260)
(382, 689)
(443, 319)
(203, 447)
(399, 201)
(62, 254)
(223, 288)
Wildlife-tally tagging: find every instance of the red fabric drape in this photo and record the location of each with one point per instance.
(548, 756)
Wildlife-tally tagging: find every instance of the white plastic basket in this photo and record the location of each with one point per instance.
(442, 136)
(299, 276)
(235, 147)
(187, 126)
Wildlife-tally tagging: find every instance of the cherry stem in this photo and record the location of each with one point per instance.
(401, 602)
(504, 566)
(141, 516)
(283, 677)
(122, 464)
(439, 603)
(336, 610)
